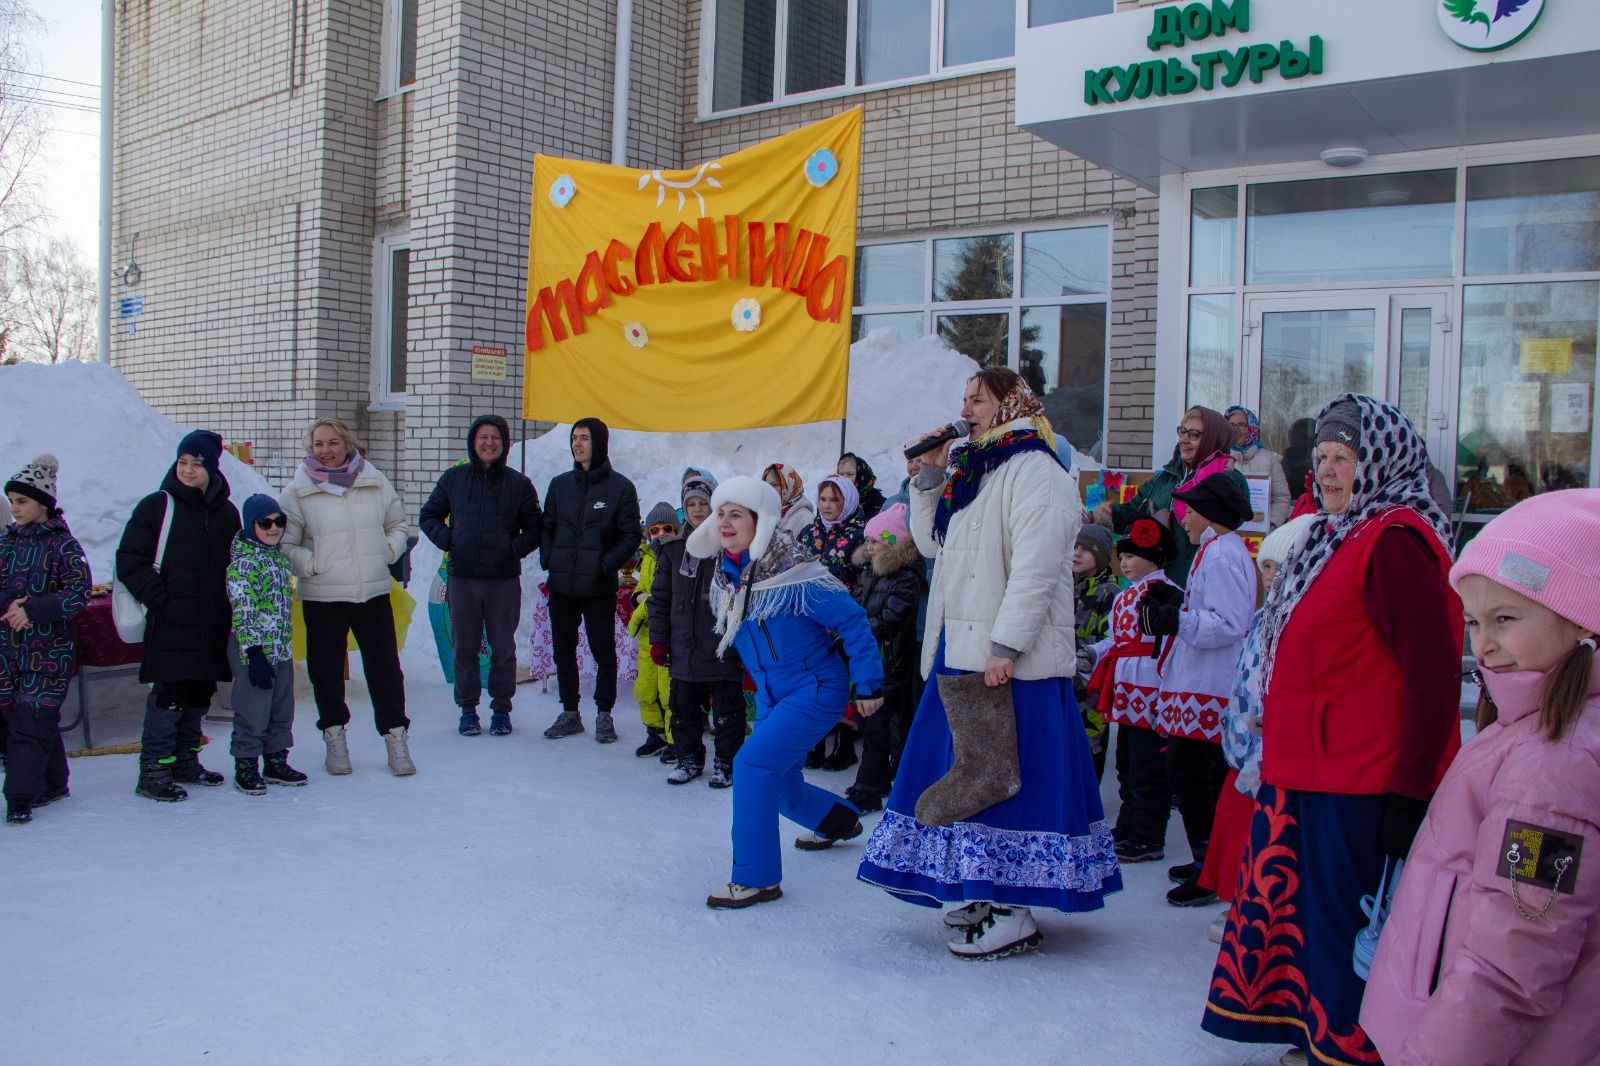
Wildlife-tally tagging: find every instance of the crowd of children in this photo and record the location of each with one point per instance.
(1493, 944)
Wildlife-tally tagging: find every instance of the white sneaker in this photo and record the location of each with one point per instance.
(400, 763)
(1003, 931)
(1219, 926)
(965, 917)
(740, 896)
(338, 761)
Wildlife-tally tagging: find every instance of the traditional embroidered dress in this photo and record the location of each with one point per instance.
(1127, 678)
(1047, 846)
(1197, 666)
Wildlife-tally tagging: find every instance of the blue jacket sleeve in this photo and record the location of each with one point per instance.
(841, 613)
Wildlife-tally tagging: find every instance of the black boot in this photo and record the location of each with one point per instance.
(18, 811)
(654, 741)
(840, 823)
(247, 777)
(279, 772)
(155, 782)
(187, 770)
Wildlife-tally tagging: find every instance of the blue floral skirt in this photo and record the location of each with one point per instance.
(1047, 846)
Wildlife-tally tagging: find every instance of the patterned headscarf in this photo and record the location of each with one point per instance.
(1391, 471)
(1021, 402)
(1252, 432)
(790, 485)
(847, 491)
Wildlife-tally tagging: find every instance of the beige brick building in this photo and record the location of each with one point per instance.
(328, 199)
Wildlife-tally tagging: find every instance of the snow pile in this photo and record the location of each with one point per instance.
(114, 448)
(898, 391)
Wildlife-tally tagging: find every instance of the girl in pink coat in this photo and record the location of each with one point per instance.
(1492, 951)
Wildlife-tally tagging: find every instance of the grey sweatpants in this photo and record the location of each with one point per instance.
(263, 719)
(484, 608)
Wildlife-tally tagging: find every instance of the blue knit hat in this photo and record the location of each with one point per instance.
(256, 507)
(205, 446)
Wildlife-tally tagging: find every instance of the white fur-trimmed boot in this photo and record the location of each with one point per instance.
(1003, 931)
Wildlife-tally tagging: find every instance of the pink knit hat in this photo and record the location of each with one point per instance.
(891, 520)
(1548, 549)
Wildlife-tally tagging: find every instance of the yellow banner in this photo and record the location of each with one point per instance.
(716, 297)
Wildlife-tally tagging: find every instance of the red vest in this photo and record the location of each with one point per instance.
(1332, 715)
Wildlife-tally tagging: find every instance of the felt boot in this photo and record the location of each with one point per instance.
(983, 733)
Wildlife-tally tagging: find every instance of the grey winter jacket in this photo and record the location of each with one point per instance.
(681, 618)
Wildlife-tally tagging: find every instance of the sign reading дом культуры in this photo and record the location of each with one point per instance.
(715, 297)
(1180, 25)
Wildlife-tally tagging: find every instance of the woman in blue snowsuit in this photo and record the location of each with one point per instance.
(805, 641)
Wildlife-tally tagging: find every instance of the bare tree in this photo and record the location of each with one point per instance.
(51, 297)
(22, 126)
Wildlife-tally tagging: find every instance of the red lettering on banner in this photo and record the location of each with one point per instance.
(617, 253)
(714, 264)
(680, 260)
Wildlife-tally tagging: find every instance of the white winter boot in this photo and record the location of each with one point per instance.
(965, 917)
(400, 763)
(338, 761)
(1003, 931)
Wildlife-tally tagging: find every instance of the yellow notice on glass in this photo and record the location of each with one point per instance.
(1547, 355)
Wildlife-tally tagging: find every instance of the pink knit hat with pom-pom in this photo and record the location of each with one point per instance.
(890, 520)
(1548, 549)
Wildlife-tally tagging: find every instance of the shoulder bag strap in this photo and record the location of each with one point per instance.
(166, 527)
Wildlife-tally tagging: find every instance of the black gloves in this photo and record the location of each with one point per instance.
(1402, 817)
(1159, 609)
(262, 674)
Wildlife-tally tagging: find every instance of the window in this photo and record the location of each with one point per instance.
(1534, 218)
(1034, 300)
(391, 288)
(1045, 12)
(766, 50)
(399, 46)
(1364, 228)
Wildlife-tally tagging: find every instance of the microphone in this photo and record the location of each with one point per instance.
(956, 429)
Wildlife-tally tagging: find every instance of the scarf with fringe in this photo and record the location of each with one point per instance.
(781, 582)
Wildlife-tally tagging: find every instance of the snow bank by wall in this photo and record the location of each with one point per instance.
(114, 448)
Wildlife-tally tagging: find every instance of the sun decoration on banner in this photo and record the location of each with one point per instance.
(683, 188)
(821, 167)
(746, 315)
(562, 190)
(635, 334)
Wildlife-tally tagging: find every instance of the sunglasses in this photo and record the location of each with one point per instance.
(1185, 433)
(662, 529)
(273, 523)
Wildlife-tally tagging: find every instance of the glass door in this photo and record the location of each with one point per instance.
(1303, 350)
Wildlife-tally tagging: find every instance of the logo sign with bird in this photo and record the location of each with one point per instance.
(1488, 25)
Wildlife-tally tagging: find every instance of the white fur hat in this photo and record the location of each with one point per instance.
(1277, 545)
(748, 492)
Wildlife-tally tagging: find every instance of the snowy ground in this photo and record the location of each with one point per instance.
(523, 900)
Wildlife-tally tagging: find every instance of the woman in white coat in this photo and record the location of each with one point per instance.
(346, 525)
(1252, 460)
(995, 805)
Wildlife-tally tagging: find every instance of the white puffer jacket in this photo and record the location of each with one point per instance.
(341, 545)
(1004, 572)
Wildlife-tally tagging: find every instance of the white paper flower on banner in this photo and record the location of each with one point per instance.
(562, 190)
(746, 315)
(821, 167)
(635, 334)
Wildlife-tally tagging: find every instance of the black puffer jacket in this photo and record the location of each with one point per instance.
(186, 633)
(681, 618)
(492, 514)
(892, 586)
(591, 524)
